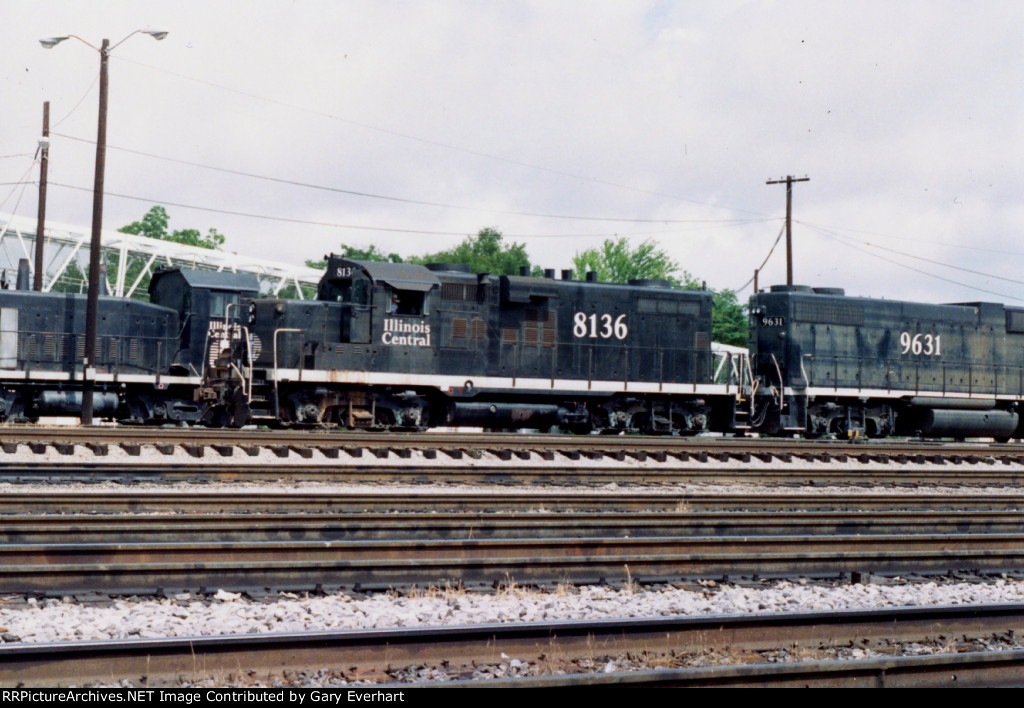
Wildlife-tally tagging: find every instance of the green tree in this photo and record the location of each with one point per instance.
(484, 253)
(72, 280)
(367, 254)
(154, 225)
(616, 262)
(728, 316)
(728, 319)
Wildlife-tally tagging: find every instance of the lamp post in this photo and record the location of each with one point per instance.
(92, 299)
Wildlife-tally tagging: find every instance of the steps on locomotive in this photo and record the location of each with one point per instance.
(741, 415)
(260, 404)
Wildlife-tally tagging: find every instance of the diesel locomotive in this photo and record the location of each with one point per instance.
(151, 358)
(400, 346)
(394, 346)
(831, 364)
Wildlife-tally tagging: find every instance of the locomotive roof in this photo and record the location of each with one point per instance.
(213, 280)
(403, 276)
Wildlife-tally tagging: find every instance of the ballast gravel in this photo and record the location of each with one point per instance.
(51, 620)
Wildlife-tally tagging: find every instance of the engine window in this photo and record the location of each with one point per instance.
(219, 302)
(406, 302)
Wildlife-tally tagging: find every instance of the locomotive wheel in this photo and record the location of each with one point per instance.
(216, 418)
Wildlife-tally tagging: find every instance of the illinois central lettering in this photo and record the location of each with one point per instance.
(404, 333)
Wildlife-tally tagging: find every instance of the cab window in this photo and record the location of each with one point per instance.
(406, 302)
(219, 302)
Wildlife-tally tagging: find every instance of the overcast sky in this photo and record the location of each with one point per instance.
(412, 124)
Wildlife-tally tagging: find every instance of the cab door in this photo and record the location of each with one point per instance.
(362, 309)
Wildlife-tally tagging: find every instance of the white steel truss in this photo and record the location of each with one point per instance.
(65, 244)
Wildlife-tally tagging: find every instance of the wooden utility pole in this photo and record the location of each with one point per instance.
(93, 294)
(44, 158)
(789, 180)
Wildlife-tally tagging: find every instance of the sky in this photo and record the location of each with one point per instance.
(294, 126)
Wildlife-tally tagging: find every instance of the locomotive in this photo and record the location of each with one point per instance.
(395, 346)
(401, 346)
(859, 366)
(150, 358)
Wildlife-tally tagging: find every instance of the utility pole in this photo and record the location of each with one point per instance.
(44, 158)
(789, 180)
(92, 297)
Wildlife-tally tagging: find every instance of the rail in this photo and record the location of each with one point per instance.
(455, 648)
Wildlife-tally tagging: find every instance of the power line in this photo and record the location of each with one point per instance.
(918, 270)
(79, 103)
(757, 270)
(930, 242)
(921, 258)
(306, 222)
(435, 143)
(292, 182)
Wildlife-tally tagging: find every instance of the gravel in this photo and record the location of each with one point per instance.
(33, 620)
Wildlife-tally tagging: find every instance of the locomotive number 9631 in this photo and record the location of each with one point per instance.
(921, 344)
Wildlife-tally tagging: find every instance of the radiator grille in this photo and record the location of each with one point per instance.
(837, 313)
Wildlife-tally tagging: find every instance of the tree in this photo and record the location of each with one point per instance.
(484, 253)
(308, 292)
(728, 319)
(616, 262)
(368, 254)
(154, 225)
(72, 280)
(728, 316)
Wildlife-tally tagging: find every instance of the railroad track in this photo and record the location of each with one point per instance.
(520, 473)
(395, 500)
(151, 542)
(96, 437)
(260, 566)
(458, 650)
(58, 530)
(129, 455)
(993, 669)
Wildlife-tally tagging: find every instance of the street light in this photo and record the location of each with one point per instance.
(92, 299)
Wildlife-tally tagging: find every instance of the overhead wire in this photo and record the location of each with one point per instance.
(404, 200)
(930, 242)
(79, 103)
(916, 257)
(267, 217)
(918, 270)
(778, 238)
(23, 183)
(436, 143)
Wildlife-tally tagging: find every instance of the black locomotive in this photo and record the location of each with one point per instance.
(402, 346)
(830, 364)
(408, 347)
(151, 358)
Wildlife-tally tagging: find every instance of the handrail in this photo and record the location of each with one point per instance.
(301, 345)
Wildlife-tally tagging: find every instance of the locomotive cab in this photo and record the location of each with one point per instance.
(211, 307)
(370, 293)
